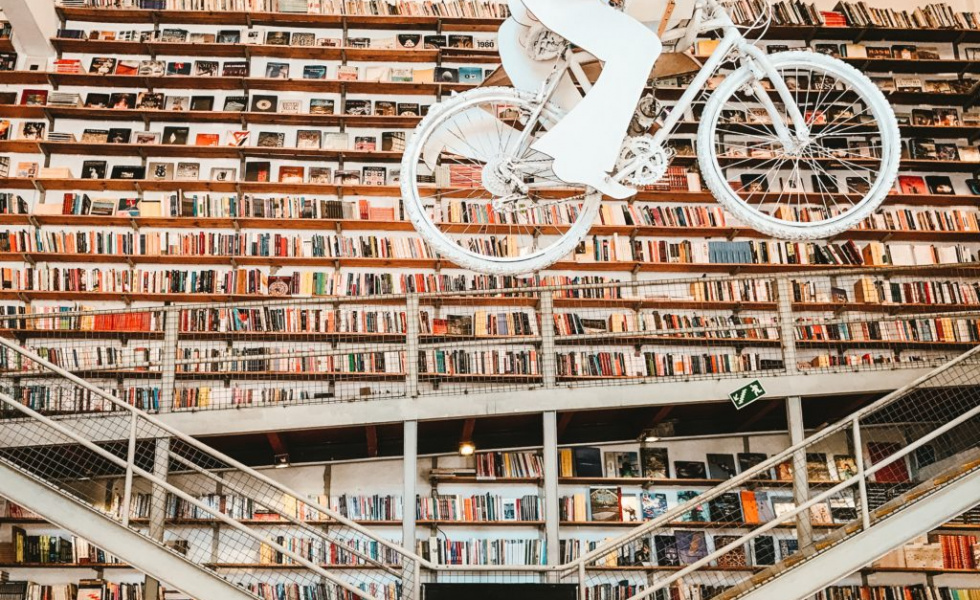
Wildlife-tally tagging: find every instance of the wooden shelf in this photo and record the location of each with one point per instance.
(651, 569)
(94, 566)
(451, 523)
(170, 17)
(17, 111)
(676, 197)
(278, 567)
(469, 479)
(346, 54)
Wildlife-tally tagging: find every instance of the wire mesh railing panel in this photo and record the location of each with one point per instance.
(554, 331)
(204, 506)
(800, 502)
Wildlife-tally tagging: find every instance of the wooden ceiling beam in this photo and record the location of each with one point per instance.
(467, 435)
(760, 414)
(372, 440)
(564, 422)
(277, 443)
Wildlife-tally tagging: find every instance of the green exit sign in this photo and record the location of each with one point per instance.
(747, 395)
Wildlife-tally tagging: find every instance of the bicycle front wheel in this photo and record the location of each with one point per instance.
(818, 190)
(497, 206)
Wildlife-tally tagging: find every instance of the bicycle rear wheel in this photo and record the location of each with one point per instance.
(821, 189)
(497, 208)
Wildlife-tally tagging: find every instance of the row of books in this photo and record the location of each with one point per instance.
(253, 360)
(734, 509)
(53, 549)
(242, 244)
(735, 327)
(867, 359)
(208, 397)
(186, 204)
(297, 320)
(491, 465)
(914, 592)
(916, 292)
(907, 219)
(83, 280)
(655, 364)
(652, 462)
(480, 362)
(448, 8)
(255, 104)
(942, 329)
(86, 588)
(101, 357)
(933, 551)
(856, 14)
(254, 281)
(58, 399)
(352, 552)
(319, 591)
(361, 508)
(484, 507)
(483, 552)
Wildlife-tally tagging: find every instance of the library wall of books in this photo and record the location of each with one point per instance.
(201, 214)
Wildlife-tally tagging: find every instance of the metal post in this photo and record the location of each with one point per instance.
(862, 481)
(411, 352)
(130, 460)
(548, 362)
(550, 419)
(801, 483)
(583, 591)
(410, 475)
(168, 377)
(787, 331)
(158, 505)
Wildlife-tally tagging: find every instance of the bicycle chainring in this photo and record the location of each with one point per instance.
(653, 160)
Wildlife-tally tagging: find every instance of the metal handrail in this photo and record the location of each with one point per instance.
(132, 468)
(781, 457)
(530, 291)
(206, 450)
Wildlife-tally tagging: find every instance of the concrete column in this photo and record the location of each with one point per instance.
(551, 485)
(158, 505)
(168, 378)
(548, 362)
(412, 348)
(801, 483)
(410, 475)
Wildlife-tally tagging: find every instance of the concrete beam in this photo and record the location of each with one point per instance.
(429, 408)
(474, 405)
(34, 23)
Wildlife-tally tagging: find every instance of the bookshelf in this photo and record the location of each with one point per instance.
(952, 67)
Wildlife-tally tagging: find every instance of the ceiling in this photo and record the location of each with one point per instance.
(515, 431)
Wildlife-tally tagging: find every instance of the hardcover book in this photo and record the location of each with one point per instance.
(655, 463)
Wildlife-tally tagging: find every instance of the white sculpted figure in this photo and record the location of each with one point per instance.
(521, 166)
(586, 143)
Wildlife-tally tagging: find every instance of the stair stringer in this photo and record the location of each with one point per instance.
(135, 549)
(815, 573)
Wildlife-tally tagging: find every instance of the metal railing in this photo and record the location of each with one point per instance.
(904, 447)
(149, 477)
(570, 334)
(164, 485)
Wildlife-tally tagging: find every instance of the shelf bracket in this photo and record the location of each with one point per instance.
(28, 259)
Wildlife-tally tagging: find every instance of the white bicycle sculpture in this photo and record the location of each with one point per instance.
(811, 105)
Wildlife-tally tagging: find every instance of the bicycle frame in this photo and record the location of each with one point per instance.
(748, 55)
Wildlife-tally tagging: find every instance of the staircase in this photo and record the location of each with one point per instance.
(130, 484)
(923, 442)
(159, 479)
